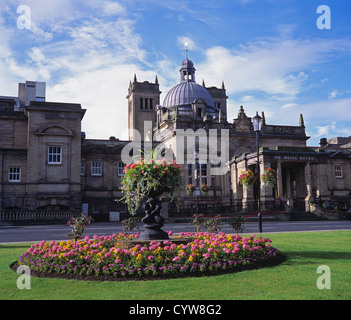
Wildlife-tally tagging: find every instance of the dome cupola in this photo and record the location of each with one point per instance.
(188, 91)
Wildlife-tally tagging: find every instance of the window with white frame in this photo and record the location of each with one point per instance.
(54, 155)
(338, 171)
(96, 168)
(203, 174)
(121, 167)
(14, 174)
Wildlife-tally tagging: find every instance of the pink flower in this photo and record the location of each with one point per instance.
(176, 259)
(235, 250)
(206, 255)
(151, 258)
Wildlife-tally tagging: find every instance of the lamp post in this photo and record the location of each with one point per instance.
(196, 154)
(257, 124)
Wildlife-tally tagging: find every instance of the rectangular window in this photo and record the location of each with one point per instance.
(141, 103)
(96, 168)
(82, 167)
(121, 166)
(14, 174)
(54, 155)
(151, 104)
(203, 174)
(338, 171)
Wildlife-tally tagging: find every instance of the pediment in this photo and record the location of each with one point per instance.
(55, 130)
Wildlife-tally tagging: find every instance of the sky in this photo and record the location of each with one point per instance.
(283, 57)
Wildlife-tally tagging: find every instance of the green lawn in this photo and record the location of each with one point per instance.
(294, 279)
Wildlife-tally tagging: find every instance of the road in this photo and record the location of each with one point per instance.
(58, 232)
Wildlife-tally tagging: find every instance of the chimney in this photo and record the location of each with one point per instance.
(323, 142)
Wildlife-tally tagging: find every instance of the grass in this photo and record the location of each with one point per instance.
(295, 279)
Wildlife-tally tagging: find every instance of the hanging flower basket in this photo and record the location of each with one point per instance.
(204, 188)
(189, 188)
(269, 177)
(247, 178)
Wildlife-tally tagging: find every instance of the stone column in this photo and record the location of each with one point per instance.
(280, 180)
(290, 201)
(248, 197)
(266, 191)
(308, 180)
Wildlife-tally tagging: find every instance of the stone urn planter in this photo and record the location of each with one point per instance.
(148, 180)
(153, 221)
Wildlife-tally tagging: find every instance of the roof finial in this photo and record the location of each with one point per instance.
(186, 49)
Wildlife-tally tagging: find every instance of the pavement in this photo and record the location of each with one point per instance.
(12, 234)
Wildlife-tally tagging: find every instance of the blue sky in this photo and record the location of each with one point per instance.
(270, 54)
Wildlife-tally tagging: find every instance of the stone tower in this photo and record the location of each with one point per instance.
(143, 97)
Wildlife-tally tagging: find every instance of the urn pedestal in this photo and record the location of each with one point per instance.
(153, 221)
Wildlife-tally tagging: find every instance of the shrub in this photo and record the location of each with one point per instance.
(130, 224)
(237, 222)
(78, 225)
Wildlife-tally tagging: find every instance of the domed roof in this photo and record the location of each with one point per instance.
(186, 93)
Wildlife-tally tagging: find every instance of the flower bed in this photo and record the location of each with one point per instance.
(109, 257)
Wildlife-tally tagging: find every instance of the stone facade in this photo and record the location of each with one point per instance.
(40, 151)
(307, 178)
(143, 97)
(47, 163)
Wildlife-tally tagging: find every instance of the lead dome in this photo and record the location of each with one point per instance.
(188, 91)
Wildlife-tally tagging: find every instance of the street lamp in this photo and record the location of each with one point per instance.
(257, 124)
(196, 154)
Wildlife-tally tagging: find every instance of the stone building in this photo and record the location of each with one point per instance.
(40, 152)
(194, 117)
(307, 177)
(47, 163)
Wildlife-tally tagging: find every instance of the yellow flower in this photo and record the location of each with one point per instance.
(139, 257)
(191, 258)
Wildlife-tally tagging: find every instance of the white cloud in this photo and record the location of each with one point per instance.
(333, 94)
(324, 130)
(274, 68)
(289, 105)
